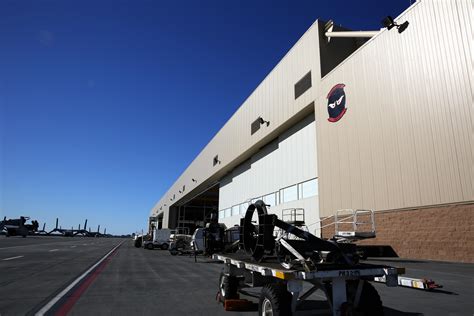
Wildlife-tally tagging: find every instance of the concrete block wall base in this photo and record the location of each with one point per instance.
(433, 233)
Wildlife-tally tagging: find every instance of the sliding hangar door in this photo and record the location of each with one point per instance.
(283, 173)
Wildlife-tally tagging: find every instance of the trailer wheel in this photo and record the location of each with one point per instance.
(274, 300)
(149, 246)
(164, 246)
(369, 304)
(228, 287)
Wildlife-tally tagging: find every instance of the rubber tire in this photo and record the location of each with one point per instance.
(228, 287)
(279, 297)
(164, 246)
(174, 252)
(370, 303)
(150, 246)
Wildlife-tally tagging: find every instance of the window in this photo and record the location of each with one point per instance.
(227, 212)
(289, 194)
(270, 199)
(221, 214)
(309, 188)
(243, 207)
(235, 210)
(303, 85)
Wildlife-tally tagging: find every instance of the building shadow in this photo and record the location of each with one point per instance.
(393, 312)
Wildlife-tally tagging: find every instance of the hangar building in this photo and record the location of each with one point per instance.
(382, 123)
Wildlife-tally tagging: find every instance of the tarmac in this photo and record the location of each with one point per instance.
(47, 275)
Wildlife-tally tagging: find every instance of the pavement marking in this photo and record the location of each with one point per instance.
(51, 303)
(30, 245)
(73, 246)
(12, 258)
(53, 250)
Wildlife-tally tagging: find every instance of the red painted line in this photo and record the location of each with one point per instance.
(67, 306)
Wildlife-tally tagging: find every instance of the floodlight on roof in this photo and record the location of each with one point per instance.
(389, 23)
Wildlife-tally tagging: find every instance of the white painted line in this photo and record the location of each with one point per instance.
(12, 258)
(73, 246)
(51, 303)
(35, 245)
(53, 250)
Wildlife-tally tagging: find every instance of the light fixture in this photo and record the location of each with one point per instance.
(262, 121)
(216, 160)
(389, 23)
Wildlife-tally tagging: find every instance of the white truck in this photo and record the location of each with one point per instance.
(160, 239)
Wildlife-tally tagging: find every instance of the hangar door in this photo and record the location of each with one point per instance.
(283, 173)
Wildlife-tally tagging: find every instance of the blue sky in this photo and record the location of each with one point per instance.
(103, 104)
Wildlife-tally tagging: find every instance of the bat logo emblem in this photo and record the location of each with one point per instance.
(336, 103)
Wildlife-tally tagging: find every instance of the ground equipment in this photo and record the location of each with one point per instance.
(180, 244)
(213, 236)
(292, 245)
(18, 226)
(160, 239)
(278, 256)
(137, 240)
(202, 241)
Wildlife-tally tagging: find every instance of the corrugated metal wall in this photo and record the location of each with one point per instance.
(273, 100)
(407, 137)
(288, 160)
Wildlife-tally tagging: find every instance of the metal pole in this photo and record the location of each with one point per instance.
(352, 34)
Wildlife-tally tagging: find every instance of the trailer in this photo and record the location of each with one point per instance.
(347, 288)
(279, 255)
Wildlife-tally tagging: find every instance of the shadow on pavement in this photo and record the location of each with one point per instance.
(393, 312)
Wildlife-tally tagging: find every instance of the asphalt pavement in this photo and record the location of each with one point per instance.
(34, 269)
(133, 281)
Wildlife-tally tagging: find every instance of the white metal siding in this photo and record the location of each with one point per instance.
(286, 161)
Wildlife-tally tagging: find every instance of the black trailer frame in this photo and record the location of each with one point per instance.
(258, 274)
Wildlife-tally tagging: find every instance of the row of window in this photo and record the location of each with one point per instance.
(295, 192)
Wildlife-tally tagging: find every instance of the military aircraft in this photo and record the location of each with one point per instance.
(18, 226)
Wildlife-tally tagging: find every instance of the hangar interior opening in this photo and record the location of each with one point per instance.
(188, 215)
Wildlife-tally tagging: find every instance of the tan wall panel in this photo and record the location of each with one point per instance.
(273, 100)
(406, 139)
